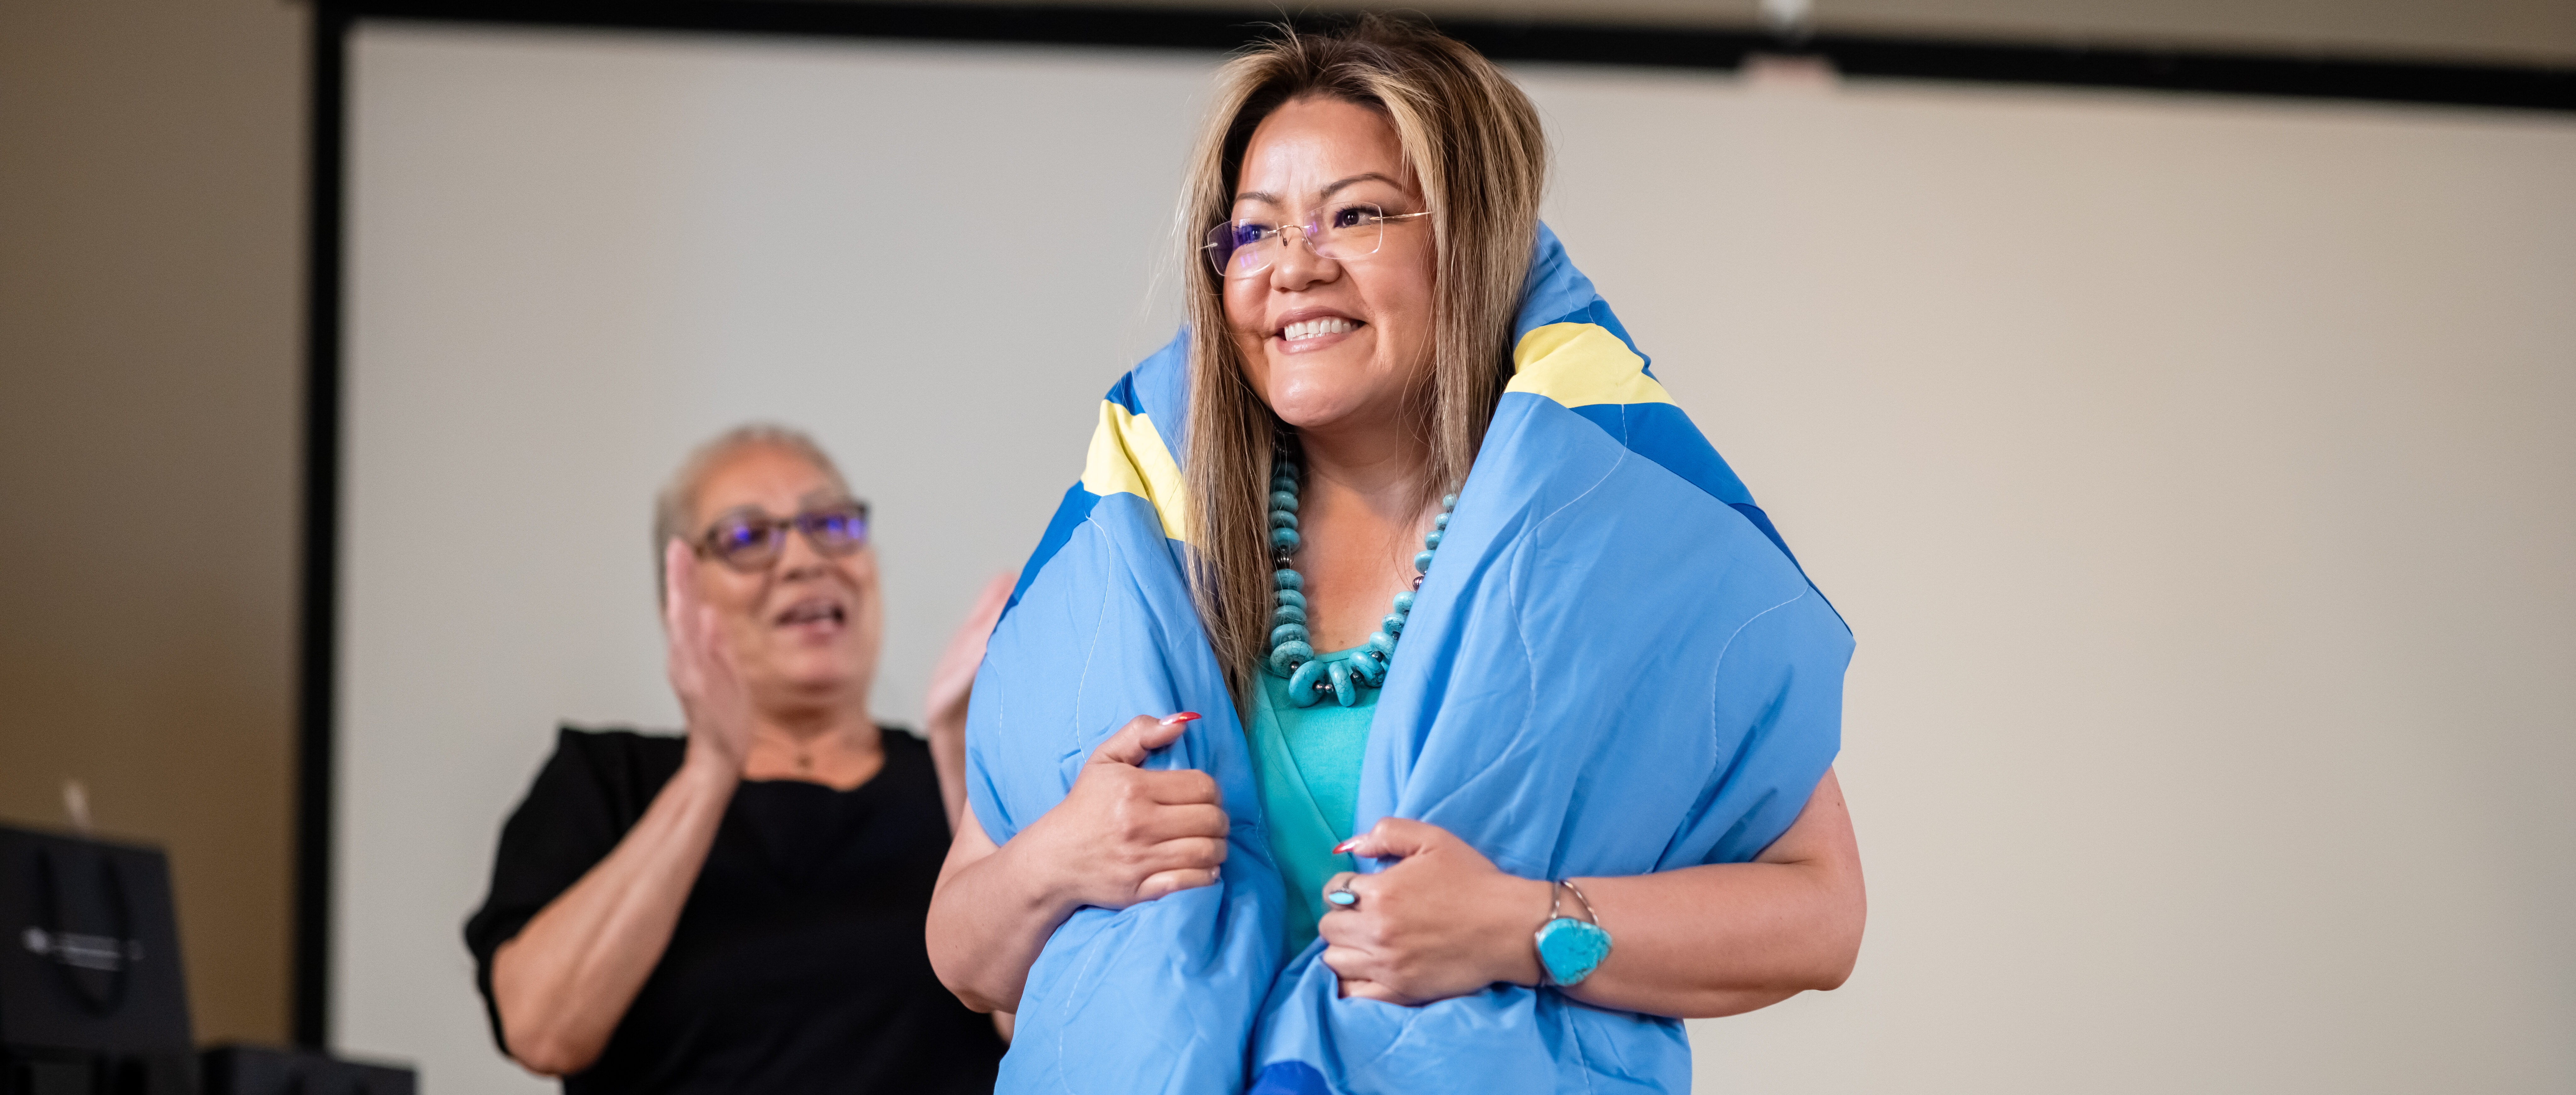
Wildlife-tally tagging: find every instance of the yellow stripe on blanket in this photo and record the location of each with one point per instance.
(1127, 455)
(1581, 364)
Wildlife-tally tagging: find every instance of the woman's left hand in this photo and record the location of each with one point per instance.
(1444, 922)
(952, 682)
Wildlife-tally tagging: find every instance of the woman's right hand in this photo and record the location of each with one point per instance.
(1122, 835)
(1125, 834)
(702, 671)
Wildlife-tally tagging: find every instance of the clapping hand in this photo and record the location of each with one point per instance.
(952, 680)
(703, 672)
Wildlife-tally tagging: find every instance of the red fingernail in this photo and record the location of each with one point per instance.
(1185, 716)
(1344, 847)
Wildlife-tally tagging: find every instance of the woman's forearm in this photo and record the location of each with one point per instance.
(991, 915)
(947, 735)
(1719, 940)
(564, 982)
(1729, 938)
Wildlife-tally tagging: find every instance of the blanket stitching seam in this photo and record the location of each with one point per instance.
(1091, 652)
(1520, 628)
(1719, 666)
(1520, 621)
(1748, 622)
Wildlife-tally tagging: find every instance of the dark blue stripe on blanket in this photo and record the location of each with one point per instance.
(1662, 433)
(1069, 515)
(1123, 394)
(1290, 1078)
(1762, 521)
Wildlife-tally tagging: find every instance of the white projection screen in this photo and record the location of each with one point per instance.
(2195, 473)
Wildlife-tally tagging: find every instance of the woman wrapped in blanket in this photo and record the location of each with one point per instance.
(1520, 716)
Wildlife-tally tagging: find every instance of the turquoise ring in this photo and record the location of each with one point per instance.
(1342, 898)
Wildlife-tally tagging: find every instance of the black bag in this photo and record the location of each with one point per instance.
(90, 982)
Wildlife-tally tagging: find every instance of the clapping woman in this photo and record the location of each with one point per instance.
(740, 908)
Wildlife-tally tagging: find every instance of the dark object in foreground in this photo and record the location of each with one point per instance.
(260, 1070)
(92, 999)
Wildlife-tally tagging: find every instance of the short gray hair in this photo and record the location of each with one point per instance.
(675, 507)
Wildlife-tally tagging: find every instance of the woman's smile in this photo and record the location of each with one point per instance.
(813, 619)
(1307, 330)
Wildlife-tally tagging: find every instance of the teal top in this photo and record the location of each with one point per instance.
(1308, 761)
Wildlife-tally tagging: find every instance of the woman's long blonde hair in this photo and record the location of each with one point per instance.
(1474, 142)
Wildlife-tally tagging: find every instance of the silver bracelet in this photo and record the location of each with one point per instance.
(1570, 949)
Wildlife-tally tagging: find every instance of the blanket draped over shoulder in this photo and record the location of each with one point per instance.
(1614, 667)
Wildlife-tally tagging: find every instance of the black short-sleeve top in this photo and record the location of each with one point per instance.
(797, 964)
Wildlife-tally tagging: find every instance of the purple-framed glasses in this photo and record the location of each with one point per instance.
(749, 540)
(1338, 231)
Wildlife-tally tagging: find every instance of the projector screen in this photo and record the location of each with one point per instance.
(2195, 474)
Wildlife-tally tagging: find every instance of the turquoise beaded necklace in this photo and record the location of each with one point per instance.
(1291, 656)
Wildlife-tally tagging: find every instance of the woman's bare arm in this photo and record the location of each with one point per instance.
(1733, 937)
(988, 919)
(1692, 943)
(563, 983)
(1122, 835)
(952, 683)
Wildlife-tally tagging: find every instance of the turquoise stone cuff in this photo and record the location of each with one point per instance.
(1570, 949)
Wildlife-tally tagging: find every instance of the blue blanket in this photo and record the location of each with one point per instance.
(1614, 667)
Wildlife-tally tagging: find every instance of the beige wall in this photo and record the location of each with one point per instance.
(150, 212)
(2193, 471)
(149, 221)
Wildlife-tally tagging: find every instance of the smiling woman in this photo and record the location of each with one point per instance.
(740, 909)
(1602, 701)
